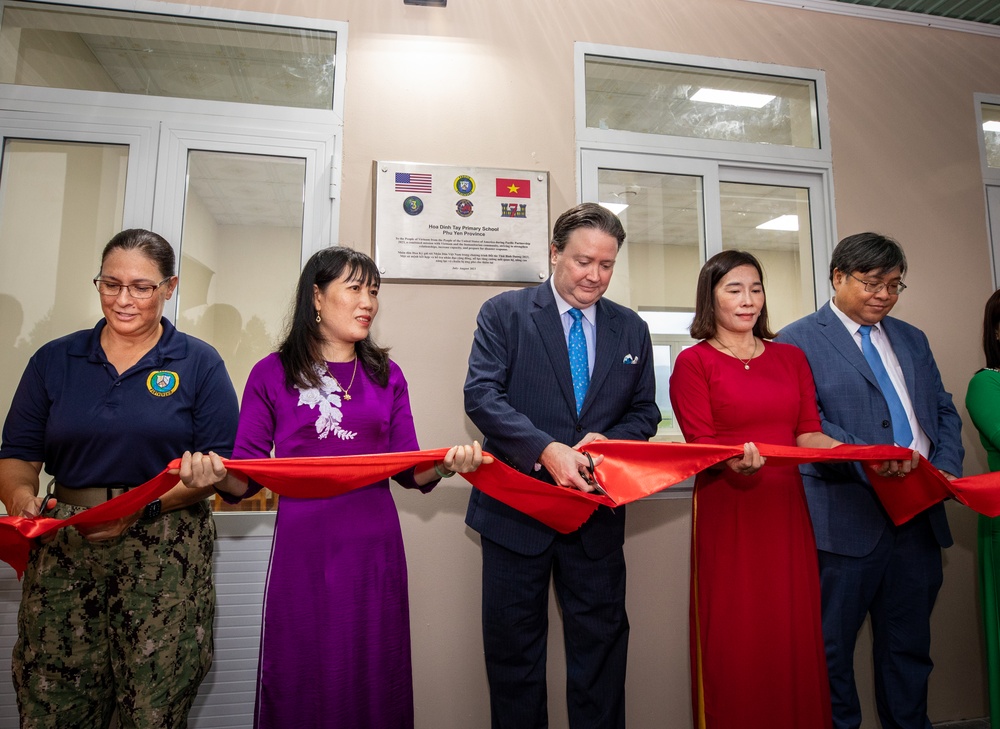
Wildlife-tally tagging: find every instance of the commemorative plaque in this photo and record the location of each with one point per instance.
(461, 224)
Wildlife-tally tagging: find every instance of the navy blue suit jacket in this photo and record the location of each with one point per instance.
(519, 393)
(846, 514)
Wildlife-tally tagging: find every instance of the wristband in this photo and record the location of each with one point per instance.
(442, 474)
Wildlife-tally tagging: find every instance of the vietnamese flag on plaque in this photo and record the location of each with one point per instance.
(507, 187)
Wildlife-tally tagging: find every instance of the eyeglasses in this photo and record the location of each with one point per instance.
(873, 287)
(136, 291)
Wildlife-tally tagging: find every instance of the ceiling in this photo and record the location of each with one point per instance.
(976, 11)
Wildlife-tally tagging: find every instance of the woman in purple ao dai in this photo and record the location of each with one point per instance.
(335, 641)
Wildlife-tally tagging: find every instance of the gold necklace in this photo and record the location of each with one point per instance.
(746, 362)
(347, 390)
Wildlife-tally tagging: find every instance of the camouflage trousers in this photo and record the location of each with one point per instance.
(123, 624)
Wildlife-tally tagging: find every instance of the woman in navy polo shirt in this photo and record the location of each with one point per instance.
(119, 615)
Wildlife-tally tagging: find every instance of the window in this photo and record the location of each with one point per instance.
(988, 128)
(991, 134)
(94, 49)
(670, 99)
(696, 156)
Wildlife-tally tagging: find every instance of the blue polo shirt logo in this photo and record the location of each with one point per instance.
(162, 383)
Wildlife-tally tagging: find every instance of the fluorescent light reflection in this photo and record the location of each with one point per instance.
(616, 208)
(732, 98)
(782, 222)
(668, 322)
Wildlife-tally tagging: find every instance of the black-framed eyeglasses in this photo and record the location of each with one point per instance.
(136, 291)
(873, 287)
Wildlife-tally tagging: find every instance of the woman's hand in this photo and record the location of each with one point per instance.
(751, 462)
(897, 468)
(200, 470)
(465, 458)
(28, 506)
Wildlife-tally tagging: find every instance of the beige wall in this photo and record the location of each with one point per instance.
(490, 83)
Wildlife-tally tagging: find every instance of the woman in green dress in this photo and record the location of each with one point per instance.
(983, 403)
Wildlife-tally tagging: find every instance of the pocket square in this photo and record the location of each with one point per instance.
(630, 360)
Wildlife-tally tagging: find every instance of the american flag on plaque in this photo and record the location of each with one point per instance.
(413, 182)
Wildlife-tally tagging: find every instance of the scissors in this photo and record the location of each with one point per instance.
(591, 478)
(50, 496)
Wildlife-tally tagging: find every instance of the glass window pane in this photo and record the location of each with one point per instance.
(657, 269)
(772, 222)
(241, 248)
(94, 49)
(991, 134)
(664, 221)
(60, 203)
(684, 101)
(662, 366)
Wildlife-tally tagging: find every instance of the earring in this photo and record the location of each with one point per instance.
(318, 319)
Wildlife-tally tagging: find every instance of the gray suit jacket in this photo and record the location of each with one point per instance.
(847, 516)
(519, 393)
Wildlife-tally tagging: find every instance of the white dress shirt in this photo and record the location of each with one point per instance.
(883, 346)
(589, 322)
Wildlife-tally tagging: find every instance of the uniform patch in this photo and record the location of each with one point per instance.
(162, 383)
(413, 205)
(465, 185)
(463, 208)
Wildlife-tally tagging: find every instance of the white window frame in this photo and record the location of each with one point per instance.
(138, 134)
(315, 146)
(242, 120)
(991, 187)
(714, 160)
(693, 146)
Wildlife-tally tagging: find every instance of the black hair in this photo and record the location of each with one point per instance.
(703, 326)
(867, 252)
(151, 245)
(302, 348)
(991, 335)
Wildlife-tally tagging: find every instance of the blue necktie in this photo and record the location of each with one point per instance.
(901, 432)
(578, 364)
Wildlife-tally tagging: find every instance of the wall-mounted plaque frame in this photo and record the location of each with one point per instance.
(460, 224)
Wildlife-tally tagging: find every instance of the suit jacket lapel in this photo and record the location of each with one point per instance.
(608, 334)
(546, 318)
(835, 331)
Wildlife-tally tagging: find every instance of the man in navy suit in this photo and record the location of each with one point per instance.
(868, 565)
(540, 389)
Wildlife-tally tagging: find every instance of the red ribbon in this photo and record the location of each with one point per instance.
(630, 471)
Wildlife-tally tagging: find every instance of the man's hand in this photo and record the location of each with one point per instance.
(569, 467)
(898, 468)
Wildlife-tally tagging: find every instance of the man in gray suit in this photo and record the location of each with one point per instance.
(876, 382)
(553, 368)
